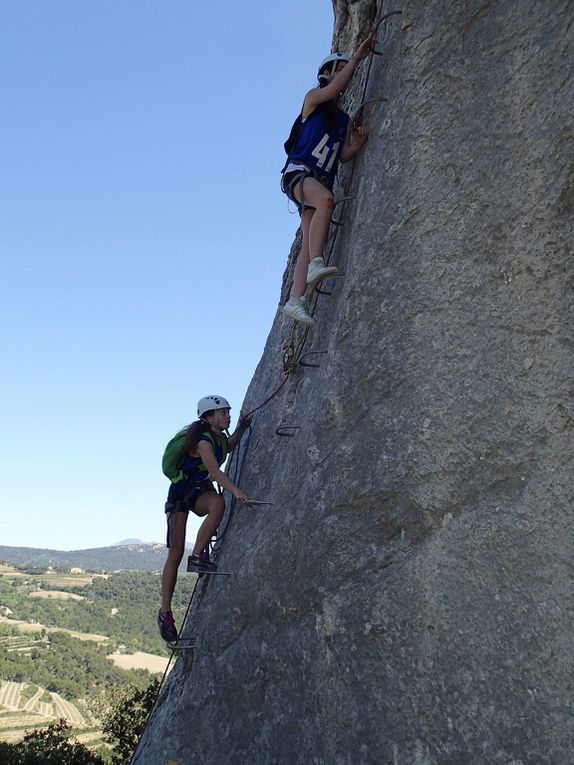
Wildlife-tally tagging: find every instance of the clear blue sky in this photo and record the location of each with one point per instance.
(143, 238)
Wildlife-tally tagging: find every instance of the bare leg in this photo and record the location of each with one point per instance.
(314, 225)
(300, 275)
(211, 505)
(174, 556)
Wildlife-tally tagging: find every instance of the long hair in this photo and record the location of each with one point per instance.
(329, 108)
(195, 430)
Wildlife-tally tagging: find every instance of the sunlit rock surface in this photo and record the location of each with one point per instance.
(408, 598)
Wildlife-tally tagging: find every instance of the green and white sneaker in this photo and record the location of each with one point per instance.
(318, 270)
(296, 309)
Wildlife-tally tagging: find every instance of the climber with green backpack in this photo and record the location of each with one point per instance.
(192, 460)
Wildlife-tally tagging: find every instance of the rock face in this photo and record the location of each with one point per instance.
(409, 596)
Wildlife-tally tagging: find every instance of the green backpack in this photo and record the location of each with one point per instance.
(174, 455)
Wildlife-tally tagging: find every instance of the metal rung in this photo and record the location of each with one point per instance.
(360, 108)
(340, 221)
(384, 18)
(376, 29)
(188, 646)
(281, 428)
(307, 363)
(345, 199)
(320, 291)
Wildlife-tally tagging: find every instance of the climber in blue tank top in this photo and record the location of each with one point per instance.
(321, 137)
(319, 144)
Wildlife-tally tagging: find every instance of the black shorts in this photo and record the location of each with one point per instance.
(176, 503)
(294, 178)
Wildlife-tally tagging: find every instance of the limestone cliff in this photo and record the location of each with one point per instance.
(408, 598)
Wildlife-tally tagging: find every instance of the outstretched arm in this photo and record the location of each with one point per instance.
(207, 455)
(340, 80)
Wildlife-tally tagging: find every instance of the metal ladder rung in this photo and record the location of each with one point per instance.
(187, 645)
(309, 353)
(286, 427)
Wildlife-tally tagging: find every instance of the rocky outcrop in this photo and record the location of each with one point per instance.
(408, 598)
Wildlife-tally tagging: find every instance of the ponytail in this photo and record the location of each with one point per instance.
(195, 430)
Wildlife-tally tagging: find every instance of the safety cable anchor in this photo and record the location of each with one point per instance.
(309, 363)
(280, 430)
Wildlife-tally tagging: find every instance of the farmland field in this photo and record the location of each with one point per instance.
(67, 638)
(19, 714)
(57, 594)
(140, 660)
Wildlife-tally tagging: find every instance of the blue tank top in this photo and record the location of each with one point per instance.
(319, 144)
(194, 468)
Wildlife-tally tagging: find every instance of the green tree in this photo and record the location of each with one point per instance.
(49, 746)
(124, 720)
(8, 754)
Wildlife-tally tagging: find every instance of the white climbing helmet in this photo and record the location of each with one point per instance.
(333, 59)
(208, 403)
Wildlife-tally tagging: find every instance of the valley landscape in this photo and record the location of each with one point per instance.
(71, 639)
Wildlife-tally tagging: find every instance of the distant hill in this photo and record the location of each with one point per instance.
(131, 541)
(123, 557)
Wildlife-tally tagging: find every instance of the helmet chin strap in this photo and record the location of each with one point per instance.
(328, 77)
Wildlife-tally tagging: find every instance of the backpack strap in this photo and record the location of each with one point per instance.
(223, 447)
